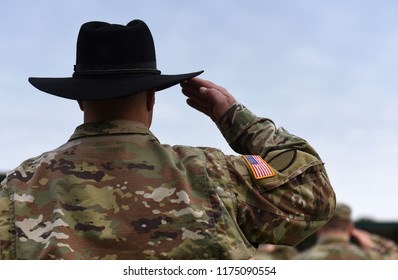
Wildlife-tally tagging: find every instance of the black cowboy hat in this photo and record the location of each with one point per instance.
(112, 61)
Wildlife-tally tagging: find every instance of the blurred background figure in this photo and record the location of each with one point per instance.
(275, 252)
(379, 247)
(333, 240)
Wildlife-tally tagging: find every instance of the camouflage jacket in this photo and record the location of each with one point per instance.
(383, 248)
(114, 192)
(333, 248)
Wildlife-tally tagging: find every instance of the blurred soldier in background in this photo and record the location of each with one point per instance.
(333, 240)
(275, 252)
(379, 247)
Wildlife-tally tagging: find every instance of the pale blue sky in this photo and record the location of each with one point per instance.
(324, 70)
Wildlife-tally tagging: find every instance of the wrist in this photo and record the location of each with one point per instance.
(235, 121)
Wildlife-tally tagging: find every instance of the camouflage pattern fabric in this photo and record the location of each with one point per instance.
(275, 252)
(383, 249)
(262, 255)
(333, 248)
(114, 192)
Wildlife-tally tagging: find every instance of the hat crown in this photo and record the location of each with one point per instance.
(112, 61)
(342, 211)
(103, 46)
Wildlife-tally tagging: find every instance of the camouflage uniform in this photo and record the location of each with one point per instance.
(383, 248)
(333, 248)
(275, 252)
(114, 192)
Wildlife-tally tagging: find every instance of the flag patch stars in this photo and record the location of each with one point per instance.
(258, 166)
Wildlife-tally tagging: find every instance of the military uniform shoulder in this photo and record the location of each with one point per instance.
(26, 169)
(190, 150)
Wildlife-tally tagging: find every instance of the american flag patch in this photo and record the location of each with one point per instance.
(259, 167)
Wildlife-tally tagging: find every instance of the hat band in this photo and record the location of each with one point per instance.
(103, 70)
(115, 72)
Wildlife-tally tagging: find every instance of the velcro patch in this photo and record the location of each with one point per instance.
(260, 169)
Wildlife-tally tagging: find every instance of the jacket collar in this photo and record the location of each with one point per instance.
(115, 127)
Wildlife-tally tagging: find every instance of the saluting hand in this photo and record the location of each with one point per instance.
(207, 97)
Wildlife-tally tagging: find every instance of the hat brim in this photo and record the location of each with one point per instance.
(94, 88)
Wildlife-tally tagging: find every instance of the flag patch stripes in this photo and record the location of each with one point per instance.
(258, 166)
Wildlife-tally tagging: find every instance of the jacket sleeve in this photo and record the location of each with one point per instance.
(5, 222)
(290, 203)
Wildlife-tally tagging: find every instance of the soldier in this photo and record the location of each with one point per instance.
(275, 252)
(379, 247)
(113, 191)
(333, 240)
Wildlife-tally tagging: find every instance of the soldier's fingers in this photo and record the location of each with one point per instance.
(188, 86)
(213, 96)
(189, 89)
(196, 83)
(198, 95)
(217, 102)
(199, 83)
(199, 107)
